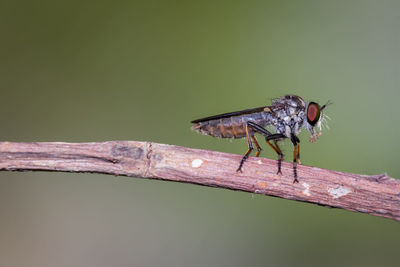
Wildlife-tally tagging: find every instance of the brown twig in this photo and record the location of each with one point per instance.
(376, 195)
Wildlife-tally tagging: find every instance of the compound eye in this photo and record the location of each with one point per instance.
(313, 113)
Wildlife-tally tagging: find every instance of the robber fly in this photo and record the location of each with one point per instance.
(287, 115)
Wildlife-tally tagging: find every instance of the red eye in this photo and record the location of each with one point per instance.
(313, 113)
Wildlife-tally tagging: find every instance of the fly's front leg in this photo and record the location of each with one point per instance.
(296, 155)
(249, 135)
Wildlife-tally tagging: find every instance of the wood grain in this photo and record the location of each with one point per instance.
(376, 195)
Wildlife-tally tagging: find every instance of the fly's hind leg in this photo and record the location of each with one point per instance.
(250, 136)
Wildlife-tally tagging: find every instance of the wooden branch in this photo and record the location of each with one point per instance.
(376, 195)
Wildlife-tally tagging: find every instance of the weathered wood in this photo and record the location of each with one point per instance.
(376, 195)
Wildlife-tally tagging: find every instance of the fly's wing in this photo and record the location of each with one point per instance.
(236, 113)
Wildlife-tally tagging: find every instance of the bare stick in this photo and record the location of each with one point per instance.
(376, 195)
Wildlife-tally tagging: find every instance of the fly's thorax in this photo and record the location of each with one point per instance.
(289, 127)
(290, 118)
(291, 103)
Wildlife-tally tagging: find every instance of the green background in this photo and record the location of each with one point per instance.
(81, 71)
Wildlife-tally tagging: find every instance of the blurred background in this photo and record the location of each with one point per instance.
(81, 71)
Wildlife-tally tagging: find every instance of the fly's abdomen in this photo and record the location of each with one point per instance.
(231, 127)
(221, 128)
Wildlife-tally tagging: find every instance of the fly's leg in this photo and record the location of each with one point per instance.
(249, 135)
(280, 156)
(278, 151)
(295, 165)
(276, 148)
(296, 155)
(269, 137)
(257, 145)
(275, 137)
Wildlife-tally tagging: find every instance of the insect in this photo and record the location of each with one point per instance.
(286, 114)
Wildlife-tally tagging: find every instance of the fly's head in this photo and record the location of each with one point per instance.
(315, 117)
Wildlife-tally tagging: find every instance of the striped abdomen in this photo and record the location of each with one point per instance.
(231, 127)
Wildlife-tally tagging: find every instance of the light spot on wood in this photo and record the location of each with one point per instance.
(196, 163)
(261, 184)
(339, 191)
(259, 161)
(306, 191)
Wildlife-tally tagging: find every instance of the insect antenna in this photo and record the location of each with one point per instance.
(327, 104)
